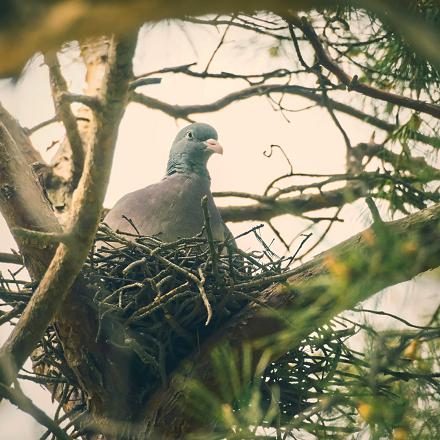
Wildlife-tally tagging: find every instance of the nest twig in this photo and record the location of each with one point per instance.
(166, 298)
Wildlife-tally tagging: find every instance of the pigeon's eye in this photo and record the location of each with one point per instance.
(189, 134)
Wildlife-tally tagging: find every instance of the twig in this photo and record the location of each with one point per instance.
(323, 235)
(16, 397)
(352, 83)
(184, 111)
(144, 82)
(11, 258)
(219, 45)
(269, 154)
(303, 242)
(43, 124)
(296, 46)
(214, 256)
(201, 286)
(329, 108)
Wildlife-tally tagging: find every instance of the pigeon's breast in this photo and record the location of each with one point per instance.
(169, 209)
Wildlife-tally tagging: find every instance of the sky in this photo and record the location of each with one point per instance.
(246, 129)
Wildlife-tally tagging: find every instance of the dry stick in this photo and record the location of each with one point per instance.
(201, 286)
(189, 275)
(16, 396)
(219, 45)
(214, 256)
(160, 301)
(41, 125)
(10, 258)
(323, 235)
(83, 222)
(353, 83)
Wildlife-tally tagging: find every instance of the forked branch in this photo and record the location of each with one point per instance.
(83, 220)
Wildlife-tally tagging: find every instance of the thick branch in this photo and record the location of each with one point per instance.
(65, 114)
(264, 211)
(22, 203)
(313, 295)
(84, 218)
(178, 111)
(352, 83)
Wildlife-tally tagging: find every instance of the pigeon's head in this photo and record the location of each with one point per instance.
(192, 148)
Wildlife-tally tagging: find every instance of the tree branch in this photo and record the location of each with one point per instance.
(417, 166)
(352, 83)
(10, 258)
(83, 221)
(178, 111)
(251, 78)
(264, 211)
(38, 27)
(92, 102)
(20, 137)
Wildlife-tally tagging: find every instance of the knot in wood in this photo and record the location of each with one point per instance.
(7, 191)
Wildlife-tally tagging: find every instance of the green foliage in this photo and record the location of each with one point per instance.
(325, 388)
(329, 385)
(386, 58)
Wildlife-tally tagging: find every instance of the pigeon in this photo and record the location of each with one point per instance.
(171, 209)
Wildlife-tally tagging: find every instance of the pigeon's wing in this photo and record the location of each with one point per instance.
(169, 209)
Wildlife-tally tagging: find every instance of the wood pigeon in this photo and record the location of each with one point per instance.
(171, 208)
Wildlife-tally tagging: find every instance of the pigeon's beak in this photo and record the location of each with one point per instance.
(214, 146)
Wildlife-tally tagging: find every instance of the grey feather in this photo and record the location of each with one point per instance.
(171, 208)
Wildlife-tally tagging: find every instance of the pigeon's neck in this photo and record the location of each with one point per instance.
(181, 164)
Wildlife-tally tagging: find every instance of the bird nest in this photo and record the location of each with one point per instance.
(160, 301)
(170, 296)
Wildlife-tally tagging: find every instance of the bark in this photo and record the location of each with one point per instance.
(67, 164)
(84, 217)
(22, 200)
